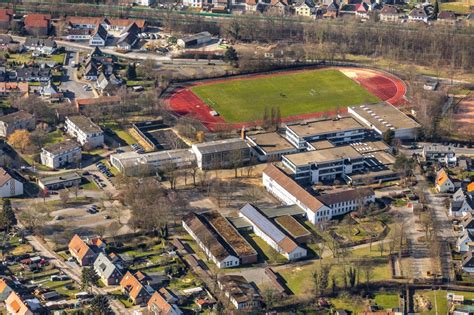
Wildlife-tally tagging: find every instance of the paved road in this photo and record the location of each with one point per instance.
(72, 270)
(71, 83)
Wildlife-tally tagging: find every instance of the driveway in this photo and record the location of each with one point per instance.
(70, 82)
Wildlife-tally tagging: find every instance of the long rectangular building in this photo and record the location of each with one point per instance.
(340, 130)
(246, 253)
(322, 165)
(221, 153)
(209, 241)
(270, 233)
(384, 116)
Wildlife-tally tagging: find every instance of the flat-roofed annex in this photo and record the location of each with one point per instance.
(325, 126)
(323, 156)
(271, 142)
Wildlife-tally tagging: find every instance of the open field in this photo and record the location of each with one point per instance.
(294, 93)
(458, 7)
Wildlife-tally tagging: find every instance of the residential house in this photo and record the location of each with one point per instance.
(11, 184)
(60, 181)
(108, 85)
(84, 253)
(445, 155)
(99, 37)
(145, 3)
(6, 16)
(5, 39)
(85, 131)
(122, 24)
(79, 34)
(14, 88)
(15, 305)
(468, 262)
(390, 13)
(221, 153)
(461, 204)
(271, 234)
(447, 18)
(209, 241)
(40, 45)
(443, 182)
(276, 7)
(61, 154)
(134, 289)
(303, 8)
(159, 305)
(362, 10)
(34, 74)
(467, 222)
(241, 294)
(348, 10)
(127, 41)
(250, 5)
(5, 289)
(107, 271)
(37, 24)
(332, 10)
(16, 121)
(80, 22)
(50, 93)
(465, 242)
(91, 72)
(418, 15)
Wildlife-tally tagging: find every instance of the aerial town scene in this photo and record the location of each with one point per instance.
(178, 157)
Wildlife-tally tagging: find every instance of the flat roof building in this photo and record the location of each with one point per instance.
(221, 153)
(85, 131)
(60, 181)
(384, 116)
(61, 154)
(270, 146)
(339, 130)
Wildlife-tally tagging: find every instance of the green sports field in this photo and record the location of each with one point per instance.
(295, 93)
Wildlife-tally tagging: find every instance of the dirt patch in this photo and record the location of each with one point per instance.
(464, 115)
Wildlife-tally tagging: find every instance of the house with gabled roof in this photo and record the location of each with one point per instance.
(467, 223)
(6, 15)
(465, 242)
(303, 7)
(107, 271)
(468, 262)
(209, 241)
(82, 251)
(390, 13)
(11, 185)
(332, 10)
(418, 15)
(99, 37)
(240, 292)
(134, 289)
(37, 24)
(443, 182)
(461, 203)
(469, 20)
(16, 305)
(5, 289)
(159, 305)
(447, 17)
(271, 234)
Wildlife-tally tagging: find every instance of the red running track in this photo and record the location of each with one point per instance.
(385, 86)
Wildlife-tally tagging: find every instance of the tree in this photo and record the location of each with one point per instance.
(64, 196)
(321, 279)
(388, 136)
(436, 9)
(20, 139)
(100, 305)
(88, 278)
(231, 56)
(9, 218)
(131, 71)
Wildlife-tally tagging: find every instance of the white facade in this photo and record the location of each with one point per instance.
(445, 186)
(146, 3)
(192, 4)
(61, 159)
(89, 134)
(11, 188)
(464, 243)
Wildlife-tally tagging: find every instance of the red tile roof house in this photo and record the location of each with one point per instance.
(37, 24)
(84, 253)
(6, 16)
(160, 306)
(134, 289)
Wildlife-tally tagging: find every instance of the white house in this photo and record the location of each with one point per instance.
(468, 262)
(10, 185)
(271, 234)
(465, 242)
(85, 131)
(61, 154)
(461, 204)
(209, 243)
(99, 37)
(443, 183)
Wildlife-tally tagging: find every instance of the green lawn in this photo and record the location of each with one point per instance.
(387, 300)
(458, 7)
(294, 93)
